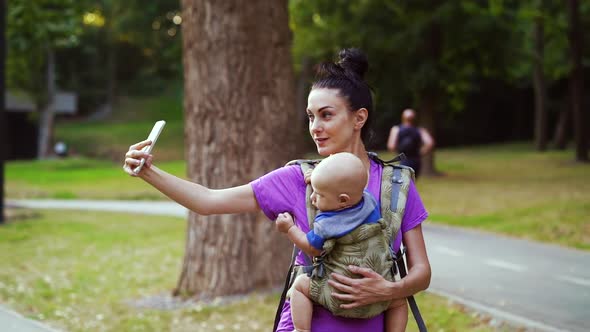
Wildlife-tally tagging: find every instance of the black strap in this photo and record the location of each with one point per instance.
(392, 161)
(401, 265)
(285, 289)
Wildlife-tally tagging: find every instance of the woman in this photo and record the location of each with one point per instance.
(339, 111)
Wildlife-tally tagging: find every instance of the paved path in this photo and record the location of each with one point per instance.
(541, 287)
(11, 321)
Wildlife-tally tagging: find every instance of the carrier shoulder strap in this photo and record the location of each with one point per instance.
(305, 164)
(395, 182)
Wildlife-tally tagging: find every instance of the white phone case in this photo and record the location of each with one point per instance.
(154, 134)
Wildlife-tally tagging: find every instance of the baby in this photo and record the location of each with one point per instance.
(348, 230)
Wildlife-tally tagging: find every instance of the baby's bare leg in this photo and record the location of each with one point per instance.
(301, 305)
(396, 316)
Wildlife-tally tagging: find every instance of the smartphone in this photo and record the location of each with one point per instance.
(154, 134)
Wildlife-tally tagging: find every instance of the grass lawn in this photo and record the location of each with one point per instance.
(511, 189)
(84, 271)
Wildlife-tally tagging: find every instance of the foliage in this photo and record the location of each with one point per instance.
(413, 46)
(34, 28)
(143, 39)
(466, 52)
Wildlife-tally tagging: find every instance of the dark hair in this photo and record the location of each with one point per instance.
(347, 76)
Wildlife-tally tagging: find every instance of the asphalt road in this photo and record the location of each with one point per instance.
(11, 321)
(537, 286)
(542, 287)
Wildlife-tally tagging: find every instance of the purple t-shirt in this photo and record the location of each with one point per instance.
(283, 190)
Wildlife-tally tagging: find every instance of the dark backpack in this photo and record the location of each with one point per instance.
(409, 141)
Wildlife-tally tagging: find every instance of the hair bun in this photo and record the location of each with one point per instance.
(353, 59)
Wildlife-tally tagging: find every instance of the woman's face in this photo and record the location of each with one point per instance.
(333, 127)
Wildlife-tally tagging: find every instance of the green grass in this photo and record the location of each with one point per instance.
(79, 178)
(131, 122)
(110, 141)
(82, 272)
(511, 189)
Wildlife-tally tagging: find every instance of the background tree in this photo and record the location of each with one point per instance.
(35, 31)
(145, 32)
(239, 104)
(576, 81)
(423, 55)
(2, 103)
(539, 78)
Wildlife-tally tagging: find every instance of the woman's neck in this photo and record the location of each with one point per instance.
(360, 151)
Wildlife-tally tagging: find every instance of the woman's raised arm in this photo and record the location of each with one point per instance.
(193, 196)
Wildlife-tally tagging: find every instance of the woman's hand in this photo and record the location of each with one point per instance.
(284, 222)
(374, 288)
(371, 288)
(134, 155)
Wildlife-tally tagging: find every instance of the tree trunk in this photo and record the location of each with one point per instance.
(539, 82)
(429, 96)
(111, 64)
(561, 130)
(303, 86)
(47, 111)
(3, 138)
(239, 105)
(576, 81)
(427, 115)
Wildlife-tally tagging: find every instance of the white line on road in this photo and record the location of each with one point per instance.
(505, 265)
(574, 280)
(500, 314)
(449, 251)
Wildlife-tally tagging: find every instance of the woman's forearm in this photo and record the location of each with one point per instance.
(419, 272)
(417, 280)
(198, 198)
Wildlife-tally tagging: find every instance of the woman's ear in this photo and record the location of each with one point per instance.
(361, 116)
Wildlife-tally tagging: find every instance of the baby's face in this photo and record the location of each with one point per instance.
(325, 198)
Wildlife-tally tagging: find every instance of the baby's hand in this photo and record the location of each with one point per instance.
(284, 222)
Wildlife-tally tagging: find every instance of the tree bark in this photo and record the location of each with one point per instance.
(539, 82)
(427, 115)
(48, 110)
(429, 96)
(560, 137)
(111, 87)
(302, 91)
(239, 105)
(3, 136)
(576, 81)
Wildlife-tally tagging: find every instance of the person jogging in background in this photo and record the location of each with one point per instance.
(410, 140)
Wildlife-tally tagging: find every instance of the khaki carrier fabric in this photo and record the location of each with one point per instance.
(369, 245)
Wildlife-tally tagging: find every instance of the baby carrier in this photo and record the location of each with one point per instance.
(395, 181)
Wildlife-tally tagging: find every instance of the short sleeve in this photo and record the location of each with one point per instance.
(279, 190)
(415, 213)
